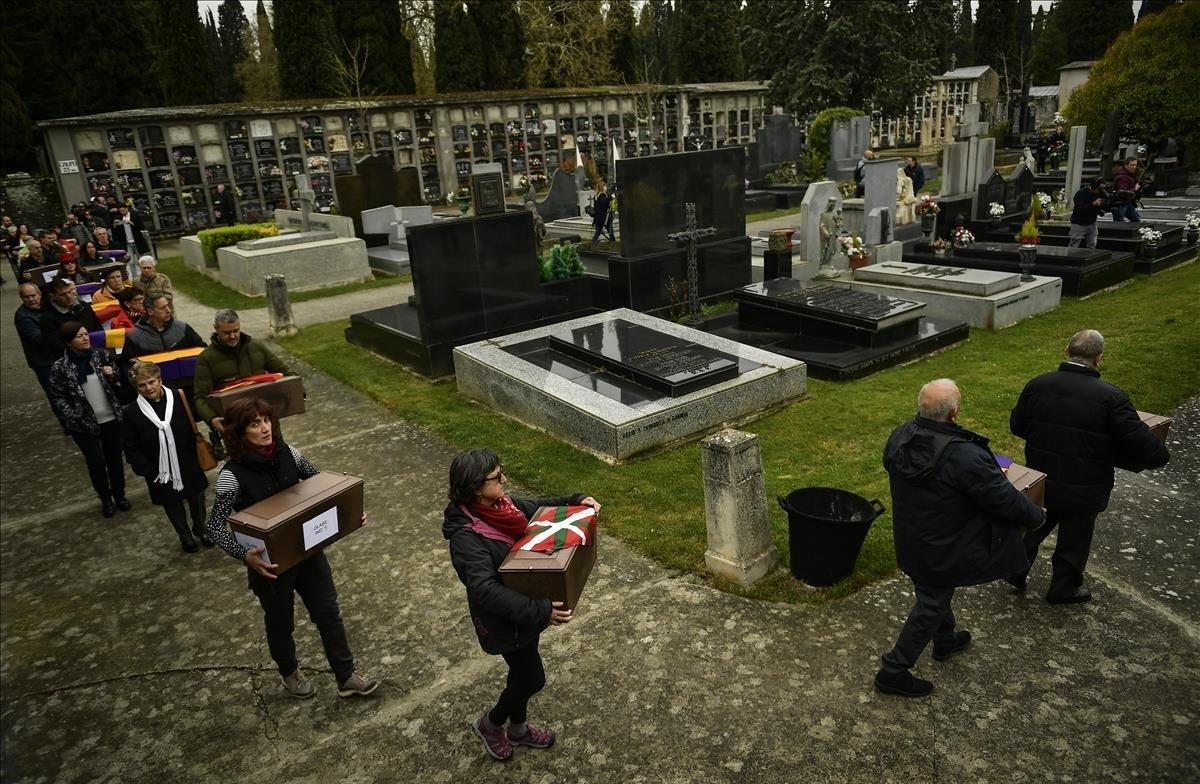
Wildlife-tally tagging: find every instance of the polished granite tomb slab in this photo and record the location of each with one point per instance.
(983, 298)
(839, 332)
(1083, 270)
(620, 383)
(828, 311)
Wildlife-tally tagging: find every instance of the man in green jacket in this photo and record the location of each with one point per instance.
(231, 355)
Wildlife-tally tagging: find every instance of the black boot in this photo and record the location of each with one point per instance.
(200, 531)
(106, 507)
(185, 536)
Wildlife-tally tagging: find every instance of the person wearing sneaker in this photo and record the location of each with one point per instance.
(1076, 428)
(956, 521)
(258, 467)
(83, 393)
(481, 523)
(161, 448)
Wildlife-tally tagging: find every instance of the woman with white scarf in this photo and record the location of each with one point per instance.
(160, 446)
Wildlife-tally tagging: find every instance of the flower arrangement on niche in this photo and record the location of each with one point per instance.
(962, 237)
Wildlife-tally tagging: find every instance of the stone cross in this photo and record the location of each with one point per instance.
(691, 235)
(308, 198)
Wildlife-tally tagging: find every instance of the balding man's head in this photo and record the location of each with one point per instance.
(939, 400)
(1085, 347)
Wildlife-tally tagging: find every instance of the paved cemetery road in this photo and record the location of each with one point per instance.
(124, 660)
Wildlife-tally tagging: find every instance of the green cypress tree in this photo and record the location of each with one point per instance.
(502, 36)
(705, 45)
(620, 24)
(1093, 25)
(1050, 48)
(231, 21)
(375, 25)
(305, 39)
(963, 46)
(16, 148)
(934, 30)
(182, 60)
(457, 49)
(258, 70)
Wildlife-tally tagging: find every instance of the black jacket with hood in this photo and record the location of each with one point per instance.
(956, 519)
(504, 619)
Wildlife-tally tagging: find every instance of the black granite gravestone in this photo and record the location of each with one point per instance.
(487, 193)
(1083, 270)
(563, 199)
(377, 183)
(473, 278)
(654, 359)
(1018, 190)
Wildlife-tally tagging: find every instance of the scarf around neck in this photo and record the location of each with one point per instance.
(82, 362)
(168, 456)
(504, 518)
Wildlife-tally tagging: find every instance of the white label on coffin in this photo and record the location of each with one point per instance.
(320, 528)
(249, 542)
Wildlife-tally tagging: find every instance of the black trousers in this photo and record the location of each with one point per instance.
(175, 514)
(105, 466)
(1070, 553)
(313, 580)
(526, 677)
(930, 619)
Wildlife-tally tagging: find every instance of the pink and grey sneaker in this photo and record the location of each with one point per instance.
(495, 741)
(535, 737)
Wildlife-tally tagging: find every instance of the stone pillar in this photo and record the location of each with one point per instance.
(735, 508)
(279, 307)
(1078, 141)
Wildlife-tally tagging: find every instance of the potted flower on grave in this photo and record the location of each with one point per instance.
(1030, 238)
(928, 209)
(1193, 227)
(852, 246)
(962, 237)
(463, 199)
(940, 246)
(996, 213)
(1045, 201)
(1150, 238)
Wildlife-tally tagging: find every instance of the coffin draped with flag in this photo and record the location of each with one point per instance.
(555, 556)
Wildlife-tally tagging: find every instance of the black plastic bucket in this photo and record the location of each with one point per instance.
(826, 529)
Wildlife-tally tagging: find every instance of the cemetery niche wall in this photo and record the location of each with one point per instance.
(473, 278)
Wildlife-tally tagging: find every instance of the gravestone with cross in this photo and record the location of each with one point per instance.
(691, 235)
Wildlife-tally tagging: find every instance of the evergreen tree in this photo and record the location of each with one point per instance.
(1093, 25)
(502, 33)
(935, 31)
(182, 60)
(705, 45)
(654, 32)
(16, 146)
(768, 30)
(842, 64)
(231, 22)
(212, 48)
(373, 26)
(621, 26)
(567, 45)
(963, 45)
(1050, 49)
(258, 70)
(457, 48)
(304, 38)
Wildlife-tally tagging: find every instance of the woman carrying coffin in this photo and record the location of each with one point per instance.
(482, 522)
(258, 467)
(160, 447)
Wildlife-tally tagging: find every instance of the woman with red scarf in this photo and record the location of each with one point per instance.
(482, 522)
(259, 466)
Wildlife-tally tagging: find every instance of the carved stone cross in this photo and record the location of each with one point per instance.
(691, 235)
(308, 198)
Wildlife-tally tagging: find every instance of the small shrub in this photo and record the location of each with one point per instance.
(812, 166)
(223, 236)
(564, 262)
(784, 175)
(820, 130)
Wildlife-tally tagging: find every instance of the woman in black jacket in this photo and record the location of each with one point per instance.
(482, 522)
(161, 448)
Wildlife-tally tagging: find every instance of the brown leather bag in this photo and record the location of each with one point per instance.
(204, 451)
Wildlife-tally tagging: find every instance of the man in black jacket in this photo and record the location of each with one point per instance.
(64, 306)
(956, 521)
(38, 354)
(1087, 205)
(1076, 429)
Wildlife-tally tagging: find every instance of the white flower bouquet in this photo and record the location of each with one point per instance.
(996, 210)
(1151, 236)
(963, 237)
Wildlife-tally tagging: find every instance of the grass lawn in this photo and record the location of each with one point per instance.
(834, 437)
(209, 292)
(751, 217)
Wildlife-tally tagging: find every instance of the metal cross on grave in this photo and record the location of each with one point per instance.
(307, 197)
(691, 235)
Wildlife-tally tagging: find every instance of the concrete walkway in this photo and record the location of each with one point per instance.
(125, 660)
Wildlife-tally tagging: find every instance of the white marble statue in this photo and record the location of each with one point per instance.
(906, 200)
